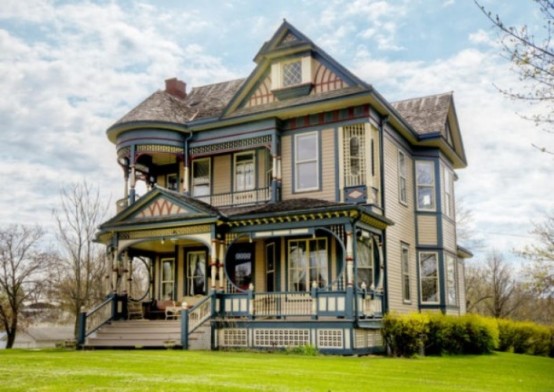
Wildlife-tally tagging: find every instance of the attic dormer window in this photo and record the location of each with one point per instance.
(292, 73)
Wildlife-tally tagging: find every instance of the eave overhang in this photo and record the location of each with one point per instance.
(115, 130)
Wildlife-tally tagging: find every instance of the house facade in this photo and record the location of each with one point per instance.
(296, 206)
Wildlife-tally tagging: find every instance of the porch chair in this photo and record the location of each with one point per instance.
(134, 310)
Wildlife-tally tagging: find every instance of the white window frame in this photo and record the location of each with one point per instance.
(368, 243)
(298, 162)
(451, 280)
(421, 186)
(350, 132)
(170, 281)
(290, 63)
(436, 278)
(190, 274)
(448, 179)
(209, 178)
(244, 186)
(402, 179)
(305, 266)
(406, 277)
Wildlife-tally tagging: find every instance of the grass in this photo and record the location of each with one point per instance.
(173, 370)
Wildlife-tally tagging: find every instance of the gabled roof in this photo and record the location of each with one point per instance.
(426, 114)
(429, 117)
(162, 205)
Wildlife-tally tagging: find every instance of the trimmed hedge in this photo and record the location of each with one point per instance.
(526, 338)
(437, 334)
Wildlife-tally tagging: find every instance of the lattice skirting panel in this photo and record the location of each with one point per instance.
(328, 339)
(368, 338)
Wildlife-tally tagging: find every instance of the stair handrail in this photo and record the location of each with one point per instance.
(91, 321)
(194, 317)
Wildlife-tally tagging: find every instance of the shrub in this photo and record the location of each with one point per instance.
(525, 338)
(405, 335)
(307, 350)
(467, 334)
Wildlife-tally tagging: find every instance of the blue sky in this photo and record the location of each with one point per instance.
(68, 70)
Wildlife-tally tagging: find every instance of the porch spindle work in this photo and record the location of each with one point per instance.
(213, 263)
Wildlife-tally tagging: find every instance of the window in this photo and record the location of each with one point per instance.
(405, 259)
(365, 262)
(307, 263)
(402, 191)
(244, 172)
(201, 177)
(239, 265)
(167, 282)
(429, 277)
(448, 191)
(171, 182)
(451, 286)
(196, 273)
(425, 178)
(354, 155)
(292, 73)
(306, 162)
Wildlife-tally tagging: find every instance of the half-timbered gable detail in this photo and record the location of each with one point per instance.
(294, 206)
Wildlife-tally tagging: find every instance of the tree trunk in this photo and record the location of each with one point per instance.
(10, 333)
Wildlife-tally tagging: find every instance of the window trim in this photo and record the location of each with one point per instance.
(167, 177)
(454, 280)
(405, 273)
(437, 279)
(307, 267)
(315, 135)
(402, 175)
(172, 281)
(448, 190)
(189, 278)
(209, 177)
(432, 185)
(372, 267)
(235, 175)
(282, 72)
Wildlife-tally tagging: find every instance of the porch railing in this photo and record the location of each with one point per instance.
(192, 318)
(315, 304)
(254, 196)
(90, 321)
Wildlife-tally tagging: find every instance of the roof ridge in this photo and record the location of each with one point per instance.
(451, 92)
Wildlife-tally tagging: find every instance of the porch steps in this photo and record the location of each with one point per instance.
(147, 334)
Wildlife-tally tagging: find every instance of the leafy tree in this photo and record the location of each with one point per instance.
(81, 269)
(22, 269)
(532, 57)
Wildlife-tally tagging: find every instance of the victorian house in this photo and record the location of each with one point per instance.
(293, 207)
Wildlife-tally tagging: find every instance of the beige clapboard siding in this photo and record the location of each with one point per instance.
(261, 167)
(427, 229)
(327, 164)
(259, 267)
(222, 174)
(403, 229)
(449, 235)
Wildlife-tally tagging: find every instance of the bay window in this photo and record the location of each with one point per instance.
(429, 277)
(448, 193)
(402, 191)
(425, 182)
(451, 286)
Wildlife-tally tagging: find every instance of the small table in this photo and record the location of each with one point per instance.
(173, 312)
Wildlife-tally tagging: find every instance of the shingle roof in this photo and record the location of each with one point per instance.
(425, 114)
(202, 102)
(291, 205)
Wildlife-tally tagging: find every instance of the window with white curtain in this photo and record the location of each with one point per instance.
(196, 273)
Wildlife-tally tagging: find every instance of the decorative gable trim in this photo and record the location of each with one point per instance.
(160, 207)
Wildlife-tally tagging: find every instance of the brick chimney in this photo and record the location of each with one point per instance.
(176, 87)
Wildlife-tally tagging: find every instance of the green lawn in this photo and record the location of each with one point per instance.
(52, 370)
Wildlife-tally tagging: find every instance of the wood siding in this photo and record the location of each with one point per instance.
(461, 287)
(427, 230)
(403, 229)
(327, 164)
(222, 174)
(449, 235)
